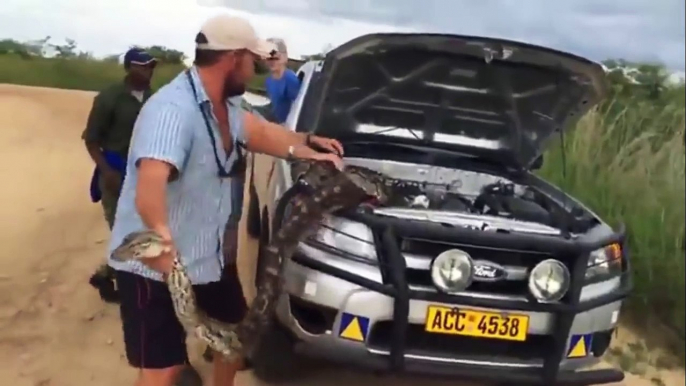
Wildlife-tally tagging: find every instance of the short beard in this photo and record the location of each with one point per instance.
(232, 88)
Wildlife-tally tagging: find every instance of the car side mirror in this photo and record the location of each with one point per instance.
(538, 163)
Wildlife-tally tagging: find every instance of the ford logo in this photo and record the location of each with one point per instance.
(488, 271)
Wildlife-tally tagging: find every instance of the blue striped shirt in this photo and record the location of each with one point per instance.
(170, 128)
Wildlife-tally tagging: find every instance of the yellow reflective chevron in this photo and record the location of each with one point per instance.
(580, 346)
(353, 327)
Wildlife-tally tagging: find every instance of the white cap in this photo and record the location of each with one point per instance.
(225, 32)
(280, 45)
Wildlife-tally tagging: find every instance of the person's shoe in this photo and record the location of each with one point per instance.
(189, 377)
(108, 292)
(103, 281)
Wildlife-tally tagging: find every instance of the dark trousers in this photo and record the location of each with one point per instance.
(153, 336)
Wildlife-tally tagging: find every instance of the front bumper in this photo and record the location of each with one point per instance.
(394, 317)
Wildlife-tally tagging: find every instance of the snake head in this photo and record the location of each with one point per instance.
(141, 245)
(372, 183)
(317, 174)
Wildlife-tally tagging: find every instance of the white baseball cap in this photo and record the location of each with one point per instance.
(226, 32)
(280, 45)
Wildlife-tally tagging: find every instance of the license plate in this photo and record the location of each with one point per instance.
(456, 321)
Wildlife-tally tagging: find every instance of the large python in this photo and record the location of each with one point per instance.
(326, 190)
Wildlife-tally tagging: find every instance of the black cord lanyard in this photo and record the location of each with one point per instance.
(239, 165)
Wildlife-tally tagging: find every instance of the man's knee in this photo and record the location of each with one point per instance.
(159, 377)
(223, 371)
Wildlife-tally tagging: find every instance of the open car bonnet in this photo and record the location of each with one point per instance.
(487, 98)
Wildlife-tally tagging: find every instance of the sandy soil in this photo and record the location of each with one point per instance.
(54, 330)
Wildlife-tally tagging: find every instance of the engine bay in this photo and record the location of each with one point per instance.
(498, 199)
(477, 194)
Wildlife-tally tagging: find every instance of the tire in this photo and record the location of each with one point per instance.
(274, 360)
(253, 221)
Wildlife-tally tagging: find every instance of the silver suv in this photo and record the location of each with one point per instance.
(477, 268)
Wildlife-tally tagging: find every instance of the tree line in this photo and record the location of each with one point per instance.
(69, 50)
(46, 48)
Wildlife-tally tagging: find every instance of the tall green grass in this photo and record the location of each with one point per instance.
(626, 162)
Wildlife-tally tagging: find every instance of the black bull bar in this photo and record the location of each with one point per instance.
(395, 285)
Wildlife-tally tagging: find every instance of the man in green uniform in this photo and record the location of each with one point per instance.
(107, 136)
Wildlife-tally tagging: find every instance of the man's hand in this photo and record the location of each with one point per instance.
(112, 179)
(326, 144)
(306, 153)
(163, 263)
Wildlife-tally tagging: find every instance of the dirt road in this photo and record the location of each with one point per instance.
(54, 330)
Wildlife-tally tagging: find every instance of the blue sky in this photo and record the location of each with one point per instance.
(640, 30)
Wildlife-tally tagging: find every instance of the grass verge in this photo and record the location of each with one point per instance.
(627, 164)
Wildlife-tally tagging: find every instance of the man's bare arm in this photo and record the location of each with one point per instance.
(275, 140)
(269, 138)
(159, 148)
(151, 194)
(96, 155)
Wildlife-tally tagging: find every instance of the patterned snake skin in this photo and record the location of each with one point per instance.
(327, 190)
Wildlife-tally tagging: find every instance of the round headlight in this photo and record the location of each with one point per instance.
(452, 271)
(549, 281)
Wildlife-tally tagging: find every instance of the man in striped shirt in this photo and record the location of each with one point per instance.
(186, 152)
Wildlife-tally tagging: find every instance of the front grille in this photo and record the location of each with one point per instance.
(525, 260)
(534, 348)
(501, 256)
(422, 278)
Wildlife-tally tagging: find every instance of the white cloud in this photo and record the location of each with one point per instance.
(630, 29)
(599, 29)
(110, 26)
